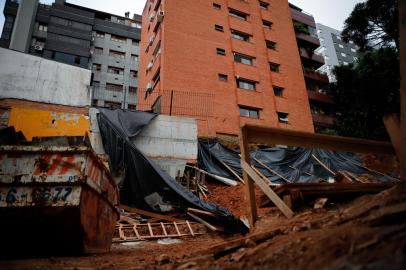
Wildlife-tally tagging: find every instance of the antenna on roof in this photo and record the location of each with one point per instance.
(127, 14)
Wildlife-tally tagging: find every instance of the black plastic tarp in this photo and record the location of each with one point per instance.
(293, 165)
(143, 179)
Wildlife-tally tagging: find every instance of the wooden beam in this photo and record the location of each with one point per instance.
(402, 47)
(249, 184)
(273, 136)
(267, 190)
(150, 214)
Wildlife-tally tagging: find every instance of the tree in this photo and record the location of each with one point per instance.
(365, 92)
(373, 24)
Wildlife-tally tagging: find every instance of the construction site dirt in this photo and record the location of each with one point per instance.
(366, 233)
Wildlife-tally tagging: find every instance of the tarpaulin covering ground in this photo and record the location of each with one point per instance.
(146, 185)
(285, 165)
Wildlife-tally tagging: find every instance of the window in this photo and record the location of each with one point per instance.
(243, 59)
(219, 28)
(238, 14)
(157, 49)
(69, 23)
(249, 112)
(264, 5)
(343, 55)
(240, 35)
(274, 67)
(43, 27)
(99, 34)
(338, 37)
(136, 25)
(353, 50)
(70, 58)
(341, 46)
(134, 57)
(156, 79)
(98, 50)
(112, 105)
(278, 91)
(132, 89)
(216, 6)
(267, 24)
(345, 63)
(135, 42)
(223, 77)
(114, 87)
(134, 73)
(115, 70)
(221, 52)
(96, 84)
(117, 54)
(246, 84)
(283, 117)
(118, 39)
(270, 44)
(97, 67)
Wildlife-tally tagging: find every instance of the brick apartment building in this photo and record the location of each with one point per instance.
(239, 57)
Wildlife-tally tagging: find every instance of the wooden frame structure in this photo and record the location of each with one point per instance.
(402, 47)
(252, 134)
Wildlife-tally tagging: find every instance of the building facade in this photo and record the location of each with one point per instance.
(240, 57)
(321, 103)
(105, 43)
(335, 51)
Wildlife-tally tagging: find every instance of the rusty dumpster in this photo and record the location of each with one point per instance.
(55, 199)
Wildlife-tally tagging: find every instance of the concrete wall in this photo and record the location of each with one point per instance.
(23, 25)
(169, 137)
(27, 77)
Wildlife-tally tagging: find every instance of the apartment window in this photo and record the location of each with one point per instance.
(216, 6)
(135, 42)
(274, 67)
(343, 55)
(97, 67)
(117, 54)
(341, 46)
(267, 24)
(345, 63)
(157, 49)
(221, 52)
(100, 34)
(278, 91)
(156, 79)
(70, 58)
(134, 73)
(115, 70)
(283, 117)
(132, 89)
(112, 105)
(134, 57)
(243, 59)
(353, 50)
(43, 27)
(238, 14)
(219, 28)
(114, 87)
(249, 112)
(223, 77)
(270, 45)
(246, 84)
(240, 35)
(263, 5)
(118, 39)
(98, 50)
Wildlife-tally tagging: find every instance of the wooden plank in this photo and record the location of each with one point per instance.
(150, 214)
(164, 229)
(402, 49)
(323, 165)
(198, 211)
(190, 228)
(176, 228)
(267, 190)
(272, 171)
(151, 233)
(392, 125)
(249, 184)
(205, 223)
(136, 231)
(273, 136)
(231, 170)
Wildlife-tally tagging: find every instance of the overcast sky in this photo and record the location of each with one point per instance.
(329, 12)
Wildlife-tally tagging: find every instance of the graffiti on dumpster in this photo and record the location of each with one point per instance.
(39, 196)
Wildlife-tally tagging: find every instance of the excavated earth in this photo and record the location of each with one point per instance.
(366, 233)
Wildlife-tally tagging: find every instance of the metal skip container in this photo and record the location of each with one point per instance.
(55, 199)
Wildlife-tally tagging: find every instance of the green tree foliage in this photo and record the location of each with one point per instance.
(372, 24)
(365, 92)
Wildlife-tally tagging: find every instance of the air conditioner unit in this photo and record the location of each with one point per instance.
(238, 76)
(38, 48)
(150, 65)
(149, 87)
(160, 16)
(152, 17)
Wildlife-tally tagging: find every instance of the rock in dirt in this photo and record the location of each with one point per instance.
(163, 259)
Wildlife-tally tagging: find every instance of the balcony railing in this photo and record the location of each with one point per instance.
(311, 56)
(315, 75)
(322, 97)
(323, 120)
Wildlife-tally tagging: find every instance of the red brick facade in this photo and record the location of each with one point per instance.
(189, 61)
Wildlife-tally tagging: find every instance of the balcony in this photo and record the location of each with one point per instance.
(317, 76)
(314, 41)
(311, 56)
(315, 95)
(323, 120)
